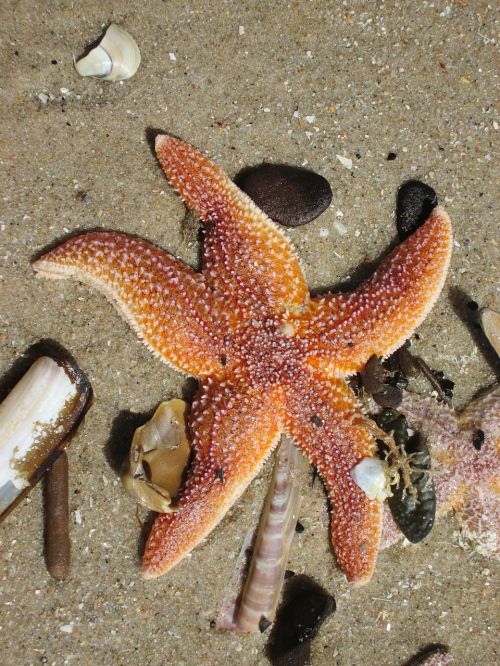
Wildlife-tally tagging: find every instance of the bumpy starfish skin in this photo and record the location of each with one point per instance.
(466, 479)
(270, 358)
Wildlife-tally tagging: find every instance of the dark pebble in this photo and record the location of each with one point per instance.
(299, 528)
(391, 157)
(289, 573)
(304, 608)
(212, 624)
(415, 202)
(413, 515)
(472, 305)
(289, 195)
(478, 439)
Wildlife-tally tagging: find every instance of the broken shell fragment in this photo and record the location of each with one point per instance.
(372, 476)
(36, 420)
(115, 58)
(159, 454)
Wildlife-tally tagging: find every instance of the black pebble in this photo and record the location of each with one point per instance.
(413, 515)
(212, 624)
(289, 573)
(299, 528)
(304, 608)
(391, 157)
(289, 195)
(415, 203)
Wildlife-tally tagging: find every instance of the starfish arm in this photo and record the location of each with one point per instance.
(379, 316)
(246, 255)
(164, 301)
(233, 434)
(328, 427)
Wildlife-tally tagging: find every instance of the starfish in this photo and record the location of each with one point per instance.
(465, 450)
(268, 357)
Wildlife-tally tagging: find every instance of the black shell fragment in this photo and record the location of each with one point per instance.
(289, 195)
(414, 515)
(304, 608)
(415, 203)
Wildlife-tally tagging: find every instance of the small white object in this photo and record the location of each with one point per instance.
(172, 56)
(241, 30)
(310, 119)
(324, 233)
(43, 98)
(345, 161)
(115, 58)
(370, 474)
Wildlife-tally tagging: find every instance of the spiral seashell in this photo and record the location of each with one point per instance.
(115, 58)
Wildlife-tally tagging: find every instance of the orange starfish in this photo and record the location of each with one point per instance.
(269, 358)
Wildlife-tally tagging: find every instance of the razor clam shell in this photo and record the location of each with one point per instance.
(262, 589)
(37, 419)
(115, 58)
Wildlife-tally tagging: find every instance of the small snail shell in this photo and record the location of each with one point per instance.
(371, 475)
(158, 456)
(115, 58)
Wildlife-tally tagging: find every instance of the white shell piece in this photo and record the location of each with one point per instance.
(371, 476)
(115, 58)
(490, 321)
(27, 415)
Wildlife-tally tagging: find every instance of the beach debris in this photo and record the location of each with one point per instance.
(413, 508)
(415, 202)
(375, 380)
(466, 479)
(289, 195)
(37, 419)
(490, 323)
(304, 608)
(57, 542)
(432, 655)
(372, 476)
(159, 454)
(264, 581)
(345, 161)
(115, 58)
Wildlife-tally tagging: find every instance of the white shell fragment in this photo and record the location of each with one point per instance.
(115, 58)
(490, 322)
(35, 420)
(158, 456)
(371, 475)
